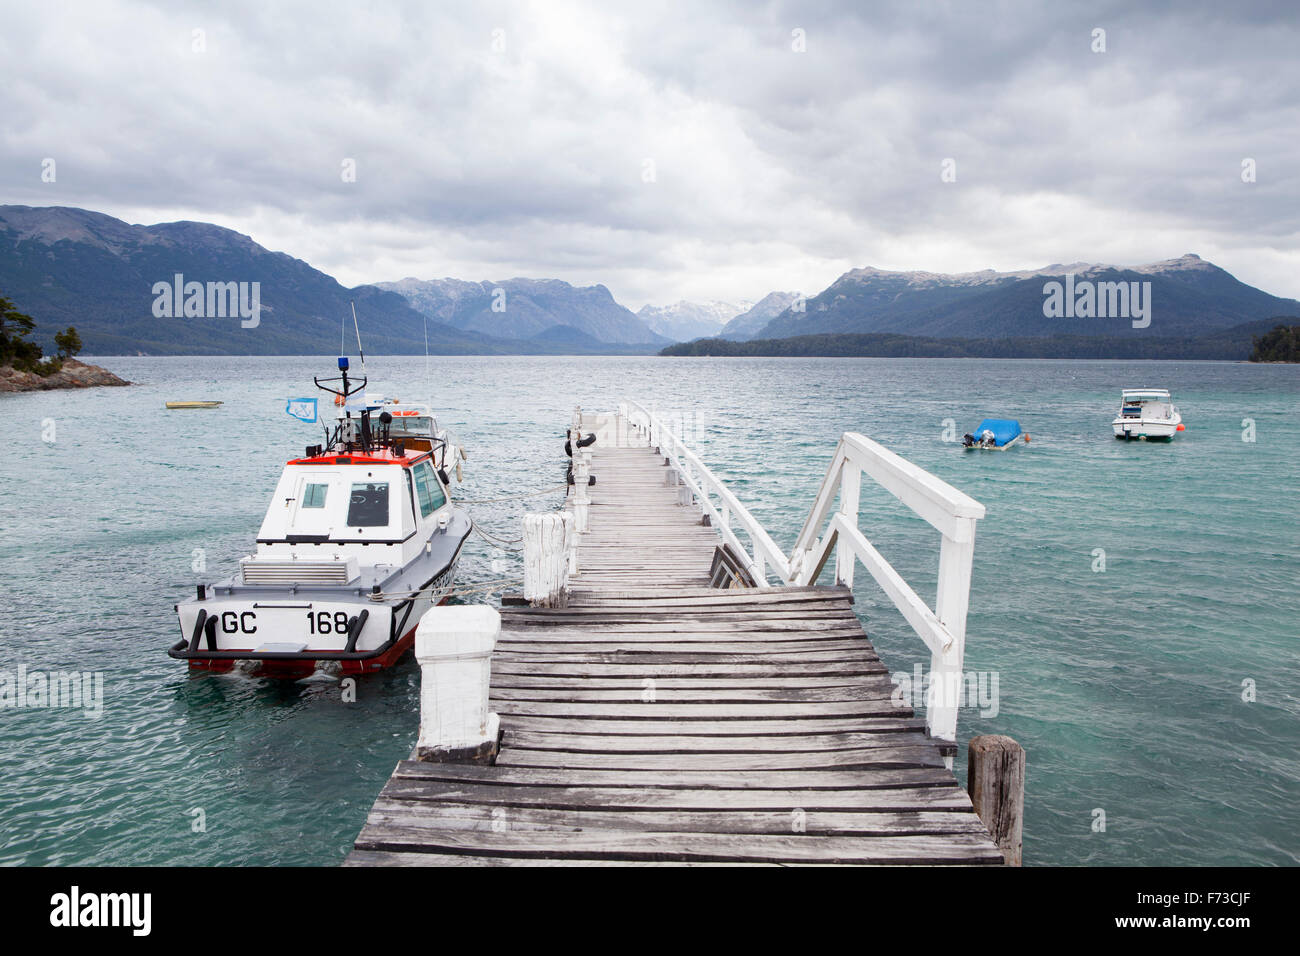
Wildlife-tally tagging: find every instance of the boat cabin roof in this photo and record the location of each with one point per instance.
(1145, 394)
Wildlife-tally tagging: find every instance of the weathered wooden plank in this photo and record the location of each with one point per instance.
(677, 846)
(884, 728)
(709, 597)
(800, 648)
(776, 681)
(738, 629)
(633, 657)
(667, 798)
(700, 695)
(808, 605)
(845, 778)
(670, 757)
(711, 711)
(450, 816)
(364, 858)
(683, 744)
(710, 668)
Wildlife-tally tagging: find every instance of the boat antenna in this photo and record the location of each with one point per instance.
(360, 350)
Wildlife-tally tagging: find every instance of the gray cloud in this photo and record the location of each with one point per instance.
(773, 168)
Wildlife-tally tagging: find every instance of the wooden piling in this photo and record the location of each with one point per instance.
(548, 562)
(995, 780)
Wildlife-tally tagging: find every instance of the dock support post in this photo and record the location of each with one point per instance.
(547, 540)
(453, 645)
(995, 780)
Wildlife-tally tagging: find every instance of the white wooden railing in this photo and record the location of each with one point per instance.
(703, 487)
(834, 529)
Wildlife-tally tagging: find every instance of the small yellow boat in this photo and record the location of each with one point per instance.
(193, 404)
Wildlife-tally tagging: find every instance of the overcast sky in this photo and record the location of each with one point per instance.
(494, 140)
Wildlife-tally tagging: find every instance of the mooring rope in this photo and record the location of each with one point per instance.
(492, 501)
(506, 544)
(456, 590)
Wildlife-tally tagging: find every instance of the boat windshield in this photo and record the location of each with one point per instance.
(415, 426)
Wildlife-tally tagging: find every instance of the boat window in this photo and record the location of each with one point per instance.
(427, 488)
(368, 507)
(313, 496)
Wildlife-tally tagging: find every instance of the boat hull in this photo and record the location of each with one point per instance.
(289, 634)
(298, 668)
(1150, 429)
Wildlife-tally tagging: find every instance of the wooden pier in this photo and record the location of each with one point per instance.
(656, 719)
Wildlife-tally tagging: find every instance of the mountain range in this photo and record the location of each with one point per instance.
(66, 266)
(751, 322)
(523, 310)
(683, 321)
(1188, 296)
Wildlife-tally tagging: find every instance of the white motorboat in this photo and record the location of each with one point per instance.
(361, 538)
(1147, 413)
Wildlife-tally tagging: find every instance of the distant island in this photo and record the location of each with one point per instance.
(24, 367)
(1282, 344)
(1232, 344)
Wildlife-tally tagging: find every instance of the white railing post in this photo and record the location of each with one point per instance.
(571, 541)
(956, 555)
(581, 475)
(850, 491)
(546, 559)
(453, 645)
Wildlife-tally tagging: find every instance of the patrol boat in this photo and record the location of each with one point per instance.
(361, 538)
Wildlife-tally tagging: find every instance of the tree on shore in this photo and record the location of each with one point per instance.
(1280, 345)
(15, 348)
(68, 343)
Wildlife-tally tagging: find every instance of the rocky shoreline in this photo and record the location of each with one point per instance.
(74, 374)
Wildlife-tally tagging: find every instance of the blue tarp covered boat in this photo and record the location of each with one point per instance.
(997, 433)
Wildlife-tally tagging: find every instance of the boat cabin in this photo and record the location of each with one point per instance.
(1152, 403)
(378, 506)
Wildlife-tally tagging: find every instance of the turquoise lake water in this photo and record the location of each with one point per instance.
(1125, 685)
